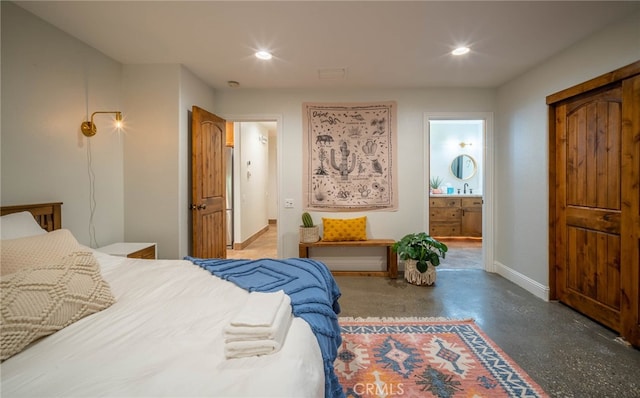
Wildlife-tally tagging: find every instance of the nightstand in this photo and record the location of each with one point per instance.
(131, 250)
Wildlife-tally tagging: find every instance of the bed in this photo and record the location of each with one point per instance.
(163, 336)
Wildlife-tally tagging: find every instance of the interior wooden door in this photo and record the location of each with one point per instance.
(594, 192)
(588, 204)
(208, 192)
(630, 223)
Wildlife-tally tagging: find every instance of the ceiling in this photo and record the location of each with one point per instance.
(378, 44)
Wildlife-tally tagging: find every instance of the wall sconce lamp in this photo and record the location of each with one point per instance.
(464, 144)
(89, 129)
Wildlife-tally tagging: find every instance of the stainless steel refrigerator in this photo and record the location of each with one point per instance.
(229, 182)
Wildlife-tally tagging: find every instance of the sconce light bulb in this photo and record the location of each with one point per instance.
(118, 120)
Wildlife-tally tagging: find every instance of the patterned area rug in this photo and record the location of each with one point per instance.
(426, 357)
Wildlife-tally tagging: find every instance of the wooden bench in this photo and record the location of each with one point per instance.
(392, 258)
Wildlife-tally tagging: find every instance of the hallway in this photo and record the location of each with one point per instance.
(266, 246)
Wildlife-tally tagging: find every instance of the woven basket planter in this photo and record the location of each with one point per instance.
(415, 277)
(309, 234)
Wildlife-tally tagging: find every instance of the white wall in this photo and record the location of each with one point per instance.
(272, 199)
(521, 148)
(151, 155)
(51, 83)
(157, 187)
(251, 205)
(412, 104)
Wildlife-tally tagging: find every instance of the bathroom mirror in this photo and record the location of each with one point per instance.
(463, 167)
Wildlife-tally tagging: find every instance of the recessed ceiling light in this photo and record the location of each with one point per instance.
(264, 55)
(460, 51)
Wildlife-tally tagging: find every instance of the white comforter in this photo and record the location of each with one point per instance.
(163, 337)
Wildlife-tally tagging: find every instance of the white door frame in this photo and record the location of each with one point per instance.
(487, 190)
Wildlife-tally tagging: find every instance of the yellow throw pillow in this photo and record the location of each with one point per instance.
(336, 230)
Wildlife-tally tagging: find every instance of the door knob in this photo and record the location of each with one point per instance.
(202, 206)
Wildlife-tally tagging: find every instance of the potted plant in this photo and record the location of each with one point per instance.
(309, 233)
(421, 254)
(434, 183)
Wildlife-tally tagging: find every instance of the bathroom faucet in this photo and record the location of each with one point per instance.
(465, 187)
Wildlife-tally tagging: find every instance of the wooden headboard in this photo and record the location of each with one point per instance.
(48, 215)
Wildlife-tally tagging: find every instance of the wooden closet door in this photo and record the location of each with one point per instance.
(630, 222)
(588, 204)
(594, 199)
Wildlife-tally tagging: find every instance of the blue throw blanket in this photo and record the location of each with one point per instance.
(314, 298)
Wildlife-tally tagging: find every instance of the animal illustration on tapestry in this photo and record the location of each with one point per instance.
(349, 157)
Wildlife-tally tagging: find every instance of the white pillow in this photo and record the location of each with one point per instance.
(19, 225)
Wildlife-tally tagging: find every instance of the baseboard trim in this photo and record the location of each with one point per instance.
(537, 289)
(459, 238)
(250, 240)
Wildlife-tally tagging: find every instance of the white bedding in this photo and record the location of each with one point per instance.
(163, 337)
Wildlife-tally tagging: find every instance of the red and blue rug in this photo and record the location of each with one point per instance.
(426, 357)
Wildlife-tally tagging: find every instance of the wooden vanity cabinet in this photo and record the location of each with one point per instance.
(471, 220)
(444, 216)
(452, 216)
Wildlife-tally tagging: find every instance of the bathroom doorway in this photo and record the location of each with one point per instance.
(458, 200)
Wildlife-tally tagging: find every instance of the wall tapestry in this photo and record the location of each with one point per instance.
(349, 156)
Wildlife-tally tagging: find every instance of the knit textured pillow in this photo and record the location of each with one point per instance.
(335, 230)
(40, 300)
(48, 248)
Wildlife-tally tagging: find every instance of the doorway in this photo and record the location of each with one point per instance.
(458, 197)
(253, 185)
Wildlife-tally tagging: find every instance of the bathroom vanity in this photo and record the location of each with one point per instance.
(455, 215)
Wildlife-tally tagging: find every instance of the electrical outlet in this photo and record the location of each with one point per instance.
(288, 203)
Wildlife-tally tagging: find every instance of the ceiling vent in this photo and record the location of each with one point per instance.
(332, 73)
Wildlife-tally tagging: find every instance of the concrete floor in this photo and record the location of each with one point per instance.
(567, 354)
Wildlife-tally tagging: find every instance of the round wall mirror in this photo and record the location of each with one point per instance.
(463, 167)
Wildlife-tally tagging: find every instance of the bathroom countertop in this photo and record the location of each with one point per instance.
(455, 195)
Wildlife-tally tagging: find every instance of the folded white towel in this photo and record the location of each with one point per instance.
(281, 320)
(248, 348)
(260, 309)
